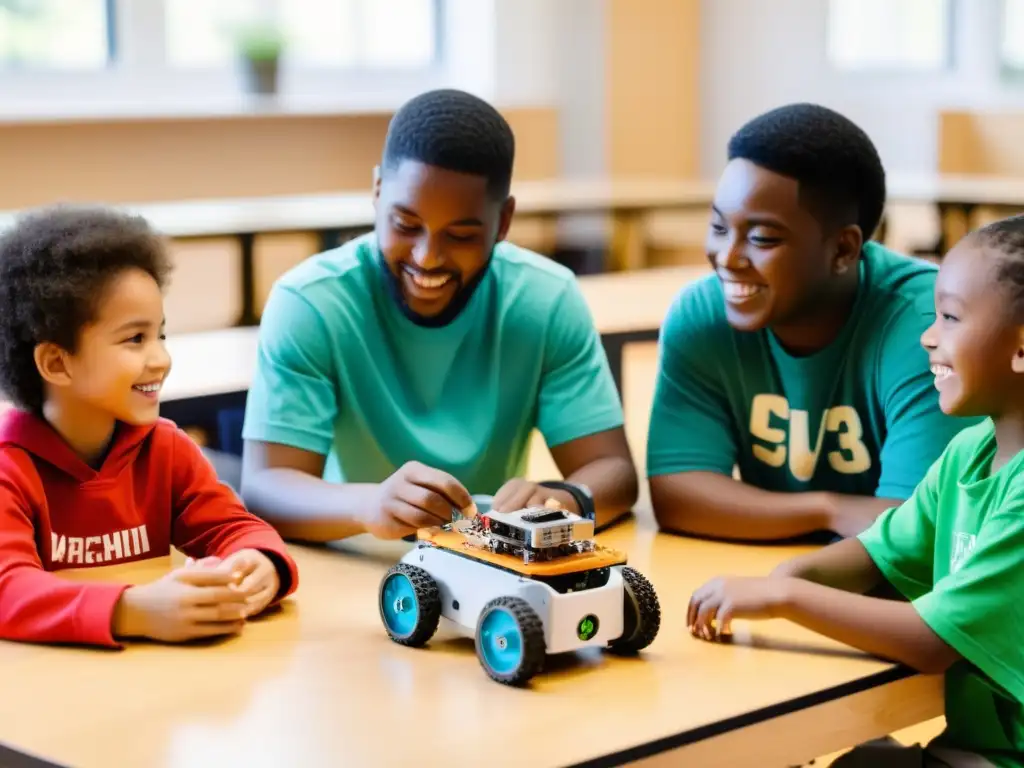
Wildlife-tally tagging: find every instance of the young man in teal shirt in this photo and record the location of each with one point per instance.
(799, 360)
(404, 371)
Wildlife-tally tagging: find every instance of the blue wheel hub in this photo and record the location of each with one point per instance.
(398, 604)
(501, 642)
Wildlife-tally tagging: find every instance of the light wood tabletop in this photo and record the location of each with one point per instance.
(544, 197)
(319, 683)
(962, 189)
(353, 210)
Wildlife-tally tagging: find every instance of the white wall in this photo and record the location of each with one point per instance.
(758, 54)
(552, 53)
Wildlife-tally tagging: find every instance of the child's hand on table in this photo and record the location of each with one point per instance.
(714, 605)
(254, 573)
(186, 604)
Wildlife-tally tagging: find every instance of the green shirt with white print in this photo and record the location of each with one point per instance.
(955, 549)
(859, 417)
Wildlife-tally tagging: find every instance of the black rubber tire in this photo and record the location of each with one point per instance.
(428, 600)
(530, 627)
(642, 614)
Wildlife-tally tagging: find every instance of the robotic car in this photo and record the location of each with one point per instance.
(526, 584)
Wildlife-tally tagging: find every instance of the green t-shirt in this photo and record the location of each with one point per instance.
(956, 550)
(342, 372)
(859, 417)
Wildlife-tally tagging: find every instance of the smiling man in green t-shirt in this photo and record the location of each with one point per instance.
(799, 360)
(406, 370)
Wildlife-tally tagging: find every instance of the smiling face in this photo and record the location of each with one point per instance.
(436, 229)
(120, 362)
(776, 263)
(974, 345)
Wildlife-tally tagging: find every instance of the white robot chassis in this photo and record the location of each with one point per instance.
(525, 584)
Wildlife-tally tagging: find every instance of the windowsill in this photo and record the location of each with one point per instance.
(240, 106)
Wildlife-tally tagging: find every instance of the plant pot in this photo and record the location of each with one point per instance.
(260, 76)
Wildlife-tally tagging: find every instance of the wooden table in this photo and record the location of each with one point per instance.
(335, 217)
(331, 212)
(956, 198)
(320, 684)
(956, 189)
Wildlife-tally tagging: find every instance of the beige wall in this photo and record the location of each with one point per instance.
(147, 160)
(653, 100)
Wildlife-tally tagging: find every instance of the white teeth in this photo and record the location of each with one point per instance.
(740, 290)
(429, 281)
(147, 387)
(942, 371)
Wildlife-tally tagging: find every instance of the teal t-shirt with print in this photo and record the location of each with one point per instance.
(342, 372)
(955, 549)
(859, 417)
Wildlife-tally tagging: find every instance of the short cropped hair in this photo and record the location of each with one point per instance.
(456, 131)
(1006, 237)
(55, 264)
(835, 163)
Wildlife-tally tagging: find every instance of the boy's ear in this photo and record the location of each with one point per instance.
(52, 364)
(1017, 362)
(508, 208)
(849, 242)
(376, 184)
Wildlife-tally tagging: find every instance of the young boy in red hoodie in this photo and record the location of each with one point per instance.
(90, 475)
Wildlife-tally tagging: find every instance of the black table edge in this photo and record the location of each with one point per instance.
(745, 720)
(12, 758)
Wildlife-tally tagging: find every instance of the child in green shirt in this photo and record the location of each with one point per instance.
(954, 549)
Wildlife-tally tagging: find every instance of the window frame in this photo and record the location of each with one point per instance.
(140, 82)
(947, 63)
(110, 45)
(1010, 74)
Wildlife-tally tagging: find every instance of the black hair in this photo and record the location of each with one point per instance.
(456, 131)
(1006, 236)
(55, 263)
(837, 166)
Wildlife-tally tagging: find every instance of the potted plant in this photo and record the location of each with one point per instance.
(260, 47)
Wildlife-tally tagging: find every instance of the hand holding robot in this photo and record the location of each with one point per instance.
(415, 496)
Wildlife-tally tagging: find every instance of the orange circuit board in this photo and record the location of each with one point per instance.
(600, 557)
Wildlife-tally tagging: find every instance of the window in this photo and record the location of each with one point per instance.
(890, 35)
(175, 57)
(1011, 46)
(322, 34)
(55, 34)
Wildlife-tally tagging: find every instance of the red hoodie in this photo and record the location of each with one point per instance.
(154, 490)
